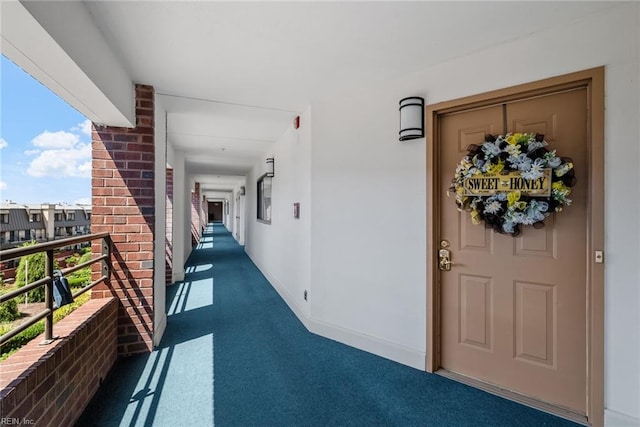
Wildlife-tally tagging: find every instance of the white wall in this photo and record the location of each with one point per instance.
(282, 249)
(160, 230)
(180, 213)
(369, 214)
(368, 232)
(240, 210)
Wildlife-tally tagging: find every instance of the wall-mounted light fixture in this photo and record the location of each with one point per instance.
(243, 190)
(270, 170)
(411, 118)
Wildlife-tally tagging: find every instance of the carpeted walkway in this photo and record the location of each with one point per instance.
(234, 354)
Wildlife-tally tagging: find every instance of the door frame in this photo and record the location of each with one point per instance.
(593, 81)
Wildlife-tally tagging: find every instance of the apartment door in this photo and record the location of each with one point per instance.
(513, 309)
(237, 212)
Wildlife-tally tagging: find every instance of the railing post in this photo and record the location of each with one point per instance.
(48, 298)
(106, 250)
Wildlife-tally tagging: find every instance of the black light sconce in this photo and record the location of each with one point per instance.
(243, 190)
(270, 171)
(411, 118)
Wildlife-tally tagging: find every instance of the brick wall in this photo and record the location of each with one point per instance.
(204, 212)
(51, 385)
(124, 205)
(169, 236)
(195, 215)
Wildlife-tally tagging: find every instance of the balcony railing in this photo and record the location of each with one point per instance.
(49, 248)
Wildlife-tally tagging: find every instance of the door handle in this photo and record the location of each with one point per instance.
(444, 257)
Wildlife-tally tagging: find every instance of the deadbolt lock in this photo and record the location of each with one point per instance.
(444, 256)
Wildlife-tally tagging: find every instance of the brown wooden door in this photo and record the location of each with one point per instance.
(513, 309)
(215, 211)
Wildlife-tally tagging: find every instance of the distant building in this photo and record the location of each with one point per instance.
(41, 222)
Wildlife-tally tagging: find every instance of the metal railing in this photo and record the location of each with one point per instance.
(49, 248)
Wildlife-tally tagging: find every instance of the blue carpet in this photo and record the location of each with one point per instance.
(234, 354)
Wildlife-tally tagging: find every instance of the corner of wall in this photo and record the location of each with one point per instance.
(392, 351)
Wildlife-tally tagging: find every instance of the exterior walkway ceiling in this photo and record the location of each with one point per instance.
(233, 75)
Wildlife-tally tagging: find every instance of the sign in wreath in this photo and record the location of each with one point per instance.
(512, 180)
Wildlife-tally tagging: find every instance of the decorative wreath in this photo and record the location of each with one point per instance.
(512, 180)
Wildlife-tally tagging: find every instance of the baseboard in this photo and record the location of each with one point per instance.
(392, 351)
(617, 419)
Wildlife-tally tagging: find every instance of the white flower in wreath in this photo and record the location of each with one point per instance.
(512, 150)
(474, 202)
(492, 207)
(535, 171)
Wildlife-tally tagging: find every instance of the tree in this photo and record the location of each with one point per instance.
(32, 266)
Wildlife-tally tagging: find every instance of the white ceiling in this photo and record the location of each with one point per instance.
(233, 75)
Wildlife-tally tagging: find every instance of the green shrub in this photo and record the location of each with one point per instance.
(33, 331)
(81, 277)
(9, 311)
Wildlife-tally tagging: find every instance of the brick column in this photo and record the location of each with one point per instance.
(169, 236)
(195, 215)
(123, 204)
(204, 214)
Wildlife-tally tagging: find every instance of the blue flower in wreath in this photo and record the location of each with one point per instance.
(536, 212)
(511, 219)
(491, 149)
(479, 163)
(552, 160)
(509, 227)
(520, 162)
(534, 145)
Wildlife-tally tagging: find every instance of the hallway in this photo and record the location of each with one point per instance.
(234, 354)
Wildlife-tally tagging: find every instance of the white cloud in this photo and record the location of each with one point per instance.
(75, 162)
(84, 127)
(3, 185)
(3, 143)
(61, 154)
(60, 139)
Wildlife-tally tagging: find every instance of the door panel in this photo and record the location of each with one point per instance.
(513, 309)
(475, 311)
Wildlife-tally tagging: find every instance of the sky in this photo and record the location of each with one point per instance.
(45, 144)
